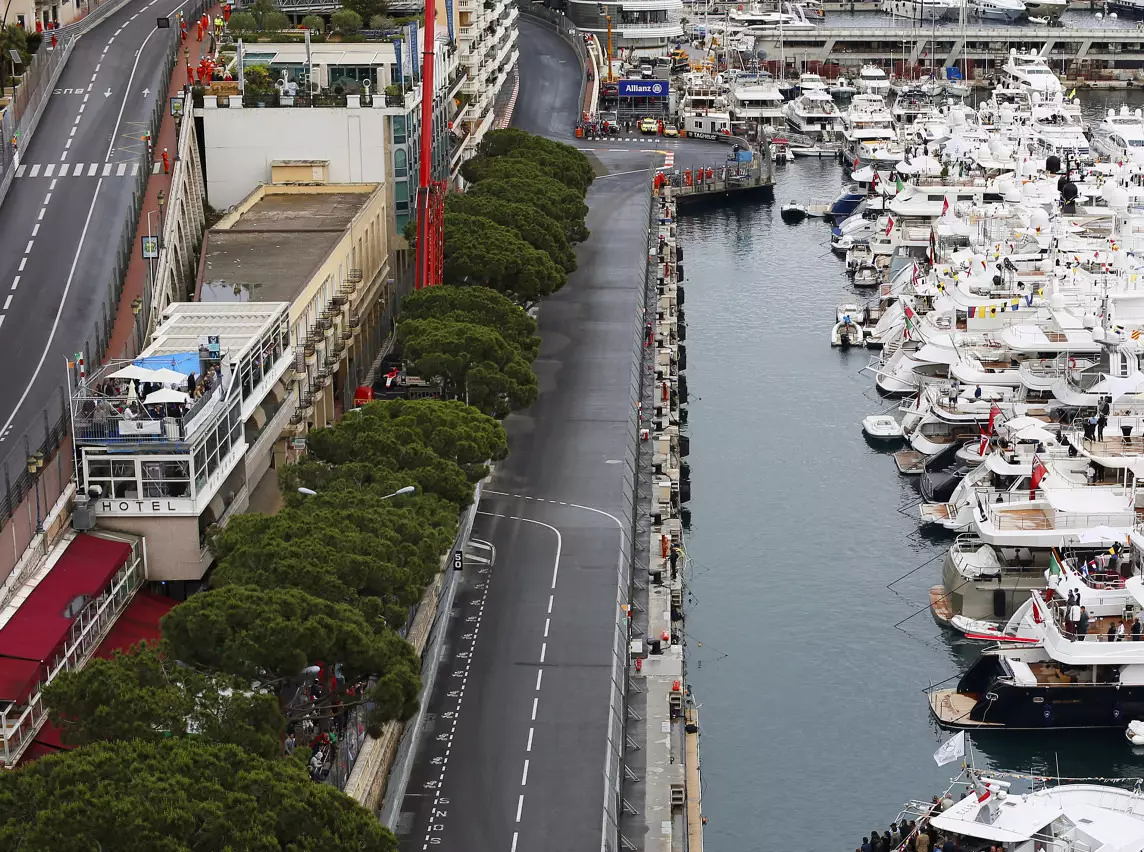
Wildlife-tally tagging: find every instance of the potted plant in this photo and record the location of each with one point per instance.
(259, 83)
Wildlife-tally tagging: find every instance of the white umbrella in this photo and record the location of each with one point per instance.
(166, 376)
(133, 371)
(165, 395)
(1101, 533)
(1035, 433)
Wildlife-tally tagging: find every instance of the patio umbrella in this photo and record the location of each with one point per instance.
(1035, 433)
(165, 395)
(166, 376)
(134, 371)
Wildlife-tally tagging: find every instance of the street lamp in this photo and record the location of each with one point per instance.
(162, 199)
(35, 465)
(408, 489)
(136, 307)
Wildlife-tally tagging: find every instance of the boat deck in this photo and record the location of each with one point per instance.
(909, 462)
(936, 512)
(951, 708)
(941, 604)
(1024, 519)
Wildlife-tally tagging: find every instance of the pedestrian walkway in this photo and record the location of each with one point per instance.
(75, 170)
(123, 339)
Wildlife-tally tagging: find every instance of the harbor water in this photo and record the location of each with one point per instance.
(810, 666)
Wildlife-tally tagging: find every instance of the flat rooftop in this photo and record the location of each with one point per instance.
(273, 249)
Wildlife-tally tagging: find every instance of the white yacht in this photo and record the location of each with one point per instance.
(757, 100)
(1120, 135)
(1030, 72)
(918, 10)
(997, 10)
(872, 80)
(755, 20)
(1051, 10)
(868, 117)
(815, 114)
(809, 82)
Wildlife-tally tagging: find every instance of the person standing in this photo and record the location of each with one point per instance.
(1136, 628)
(922, 844)
(1082, 623)
(1101, 422)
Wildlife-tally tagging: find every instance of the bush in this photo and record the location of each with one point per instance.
(346, 21)
(314, 23)
(274, 21)
(242, 22)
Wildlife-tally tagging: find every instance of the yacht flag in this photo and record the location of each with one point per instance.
(1039, 471)
(951, 750)
(945, 205)
(889, 226)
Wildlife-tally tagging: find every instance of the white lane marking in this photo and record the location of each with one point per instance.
(514, 839)
(1, 319)
(7, 302)
(529, 746)
(82, 107)
(23, 261)
(523, 775)
(63, 169)
(28, 247)
(107, 169)
(90, 86)
(131, 79)
(49, 169)
(535, 701)
(543, 650)
(85, 97)
(77, 170)
(93, 76)
(15, 282)
(35, 230)
(134, 169)
(64, 155)
(77, 118)
(92, 169)
(97, 67)
(20, 169)
(539, 677)
(51, 186)
(547, 621)
(35, 170)
(67, 145)
(72, 132)
(519, 806)
(59, 310)
(41, 216)
(550, 597)
(119, 172)
(48, 197)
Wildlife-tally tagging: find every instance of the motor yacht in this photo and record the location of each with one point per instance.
(872, 80)
(814, 114)
(997, 10)
(1120, 135)
(1030, 72)
(867, 118)
(917, 10)
(758, 101)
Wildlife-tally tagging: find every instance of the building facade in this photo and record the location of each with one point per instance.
(639, 25)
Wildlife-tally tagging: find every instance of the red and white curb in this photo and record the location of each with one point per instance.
(507, 117)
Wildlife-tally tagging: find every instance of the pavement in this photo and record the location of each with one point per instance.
(64, 217)
(514, 748)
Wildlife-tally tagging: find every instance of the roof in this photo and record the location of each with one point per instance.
(41, 624)
(276, 246)
(185, 325)
(138, 623)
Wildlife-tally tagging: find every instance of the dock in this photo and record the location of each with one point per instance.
(724, 182)
(910, 462)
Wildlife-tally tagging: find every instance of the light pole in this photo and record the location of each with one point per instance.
(136, 307)
(408, 489)
(162, 199)
(35, 465)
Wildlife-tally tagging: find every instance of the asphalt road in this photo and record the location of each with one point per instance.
(59, 232)
(514, 749)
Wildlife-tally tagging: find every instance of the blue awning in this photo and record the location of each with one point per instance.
(180, 362)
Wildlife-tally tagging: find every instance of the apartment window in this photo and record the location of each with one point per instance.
(399, 130)
(400, 163)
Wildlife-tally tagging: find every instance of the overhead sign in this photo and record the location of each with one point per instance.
(643, 89)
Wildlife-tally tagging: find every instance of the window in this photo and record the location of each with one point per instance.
(117, 477)
(399, 130)
(166, 478)
(400, 163)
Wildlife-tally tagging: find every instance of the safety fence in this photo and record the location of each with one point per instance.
(50, 440)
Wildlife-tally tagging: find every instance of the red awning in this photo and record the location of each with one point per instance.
(40, 626)
(138, 623)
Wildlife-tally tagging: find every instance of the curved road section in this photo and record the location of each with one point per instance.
(62, 221)
(514, 751)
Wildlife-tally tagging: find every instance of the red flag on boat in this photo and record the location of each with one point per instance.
(945, 205)
(984, 443)
(890, 226)
(993, 412)
(1039, 472)
(1037, 616)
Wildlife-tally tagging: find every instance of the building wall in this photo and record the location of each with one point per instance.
(241, 144)
(173, 551)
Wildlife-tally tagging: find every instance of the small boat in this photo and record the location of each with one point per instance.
(846, 333)
(882, 426)
(866, 275)
(842, 89)
(1135, 732)
(1041, 22)
(793, 213)
(851, 311)
(955, 89)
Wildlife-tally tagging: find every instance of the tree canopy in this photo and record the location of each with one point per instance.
(366, 10)
(477, 305)
(535, 228)
(479, 251)
(534, 162)
(575, 167)
(345, 546)
(549, 196)
(475, 362)
(276, 633)
(141, 695)
(177, 795)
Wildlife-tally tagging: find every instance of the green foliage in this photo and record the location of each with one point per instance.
(367, 10)
(13, 37)
(557, 164)
(258, 78)
(346, 546)
(381, 22)
(346, 21)
(536, 229)
(142, 696)
(478, 251)
(242, 22)
(474, 361)
(314, 23)
(178, 795)
(276, 633)
(476, 305)
(548, 153)
(275, 21)
(550, 197)
(259, 9)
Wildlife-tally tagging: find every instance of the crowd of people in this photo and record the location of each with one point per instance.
(920, 836)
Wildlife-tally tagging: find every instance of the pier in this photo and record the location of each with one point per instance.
(731, 180)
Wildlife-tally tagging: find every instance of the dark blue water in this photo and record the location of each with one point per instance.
(809, 669)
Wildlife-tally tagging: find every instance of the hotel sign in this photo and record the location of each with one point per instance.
(643, 88)
(162, 506)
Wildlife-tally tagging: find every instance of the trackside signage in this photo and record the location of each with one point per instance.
(643, 89)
